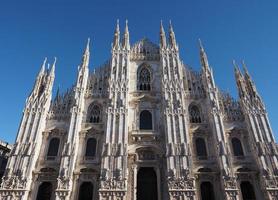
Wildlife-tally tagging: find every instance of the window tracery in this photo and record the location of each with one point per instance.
(94, 115)
(144, 79)
(194, 114)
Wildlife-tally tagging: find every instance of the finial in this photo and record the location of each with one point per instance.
(53, 66)
(237, 70)
(244, 67)
(116, 41)
(200, 44)
(170, 25)
(118, 26)
(161, 27)
(126, 26)
(88, 42)
(43, 66)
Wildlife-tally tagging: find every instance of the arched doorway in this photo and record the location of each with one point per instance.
(207, 192)
(247, 191)
(44, 191)
(86, 191)
(146, 184)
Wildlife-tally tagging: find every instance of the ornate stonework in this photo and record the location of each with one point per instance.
(143, 126)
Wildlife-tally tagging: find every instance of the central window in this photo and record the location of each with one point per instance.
(144, 79)
(146, 120)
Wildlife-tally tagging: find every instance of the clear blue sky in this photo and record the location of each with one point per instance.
(30, 31)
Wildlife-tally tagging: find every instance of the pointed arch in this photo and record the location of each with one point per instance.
(207, 191)
(53, 148)
(91, 147)
(146, 120)
(247, 191)
(86, 191)
(44, 191)
(237, 147)
(144, 78)
(201, 149)
(94, 113)
(194, 114)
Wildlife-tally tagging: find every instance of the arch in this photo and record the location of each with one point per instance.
(247, 191)
(146, 120)
(194, 114)
(53, 148)
(237, 147)
(201, 149)
(94, 114)
(204, 169)
(144, 79)
(243, 169)
(146, 184)
(44, 191)
(86, 191)
(91, 147)
(207, 192)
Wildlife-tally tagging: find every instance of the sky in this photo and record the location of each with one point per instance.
(230, 30)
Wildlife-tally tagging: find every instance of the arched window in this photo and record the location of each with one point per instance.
(237, 147)
(144, 79)
(86, 191)
(201, 149)
(44, 191)
(194, 114)
(247, 191)
(53, 148)
(91, 147)
(94, 115)
(146, 120)
(207, 192)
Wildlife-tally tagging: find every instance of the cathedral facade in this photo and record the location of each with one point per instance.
(144, 126)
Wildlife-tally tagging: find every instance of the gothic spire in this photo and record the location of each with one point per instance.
(250, 85)
(237, 70)
(162, 36)
(203, 56)
(86, 55)
(43, 66)
(239, 81)
(52, 71)
(126, 43)
(116, 42)
(172, 37)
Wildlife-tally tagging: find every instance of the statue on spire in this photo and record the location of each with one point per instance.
(162, 36)
(126, 43)
(172, 37)
(116, 42)
(86, 55)
(203, 56)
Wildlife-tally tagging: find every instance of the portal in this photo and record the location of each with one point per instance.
(146, 184)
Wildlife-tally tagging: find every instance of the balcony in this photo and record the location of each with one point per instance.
(144, 135)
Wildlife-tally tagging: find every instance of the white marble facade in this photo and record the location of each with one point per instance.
(144, 126)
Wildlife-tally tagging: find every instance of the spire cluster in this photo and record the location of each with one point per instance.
(245, 83)
(172, 37)
(125, 40)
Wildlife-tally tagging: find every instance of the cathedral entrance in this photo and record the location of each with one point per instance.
(146, 184)
(247, 191)
(45, 191)
(86, 191)
(207, 192)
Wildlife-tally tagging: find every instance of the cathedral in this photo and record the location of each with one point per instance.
(143, 126)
